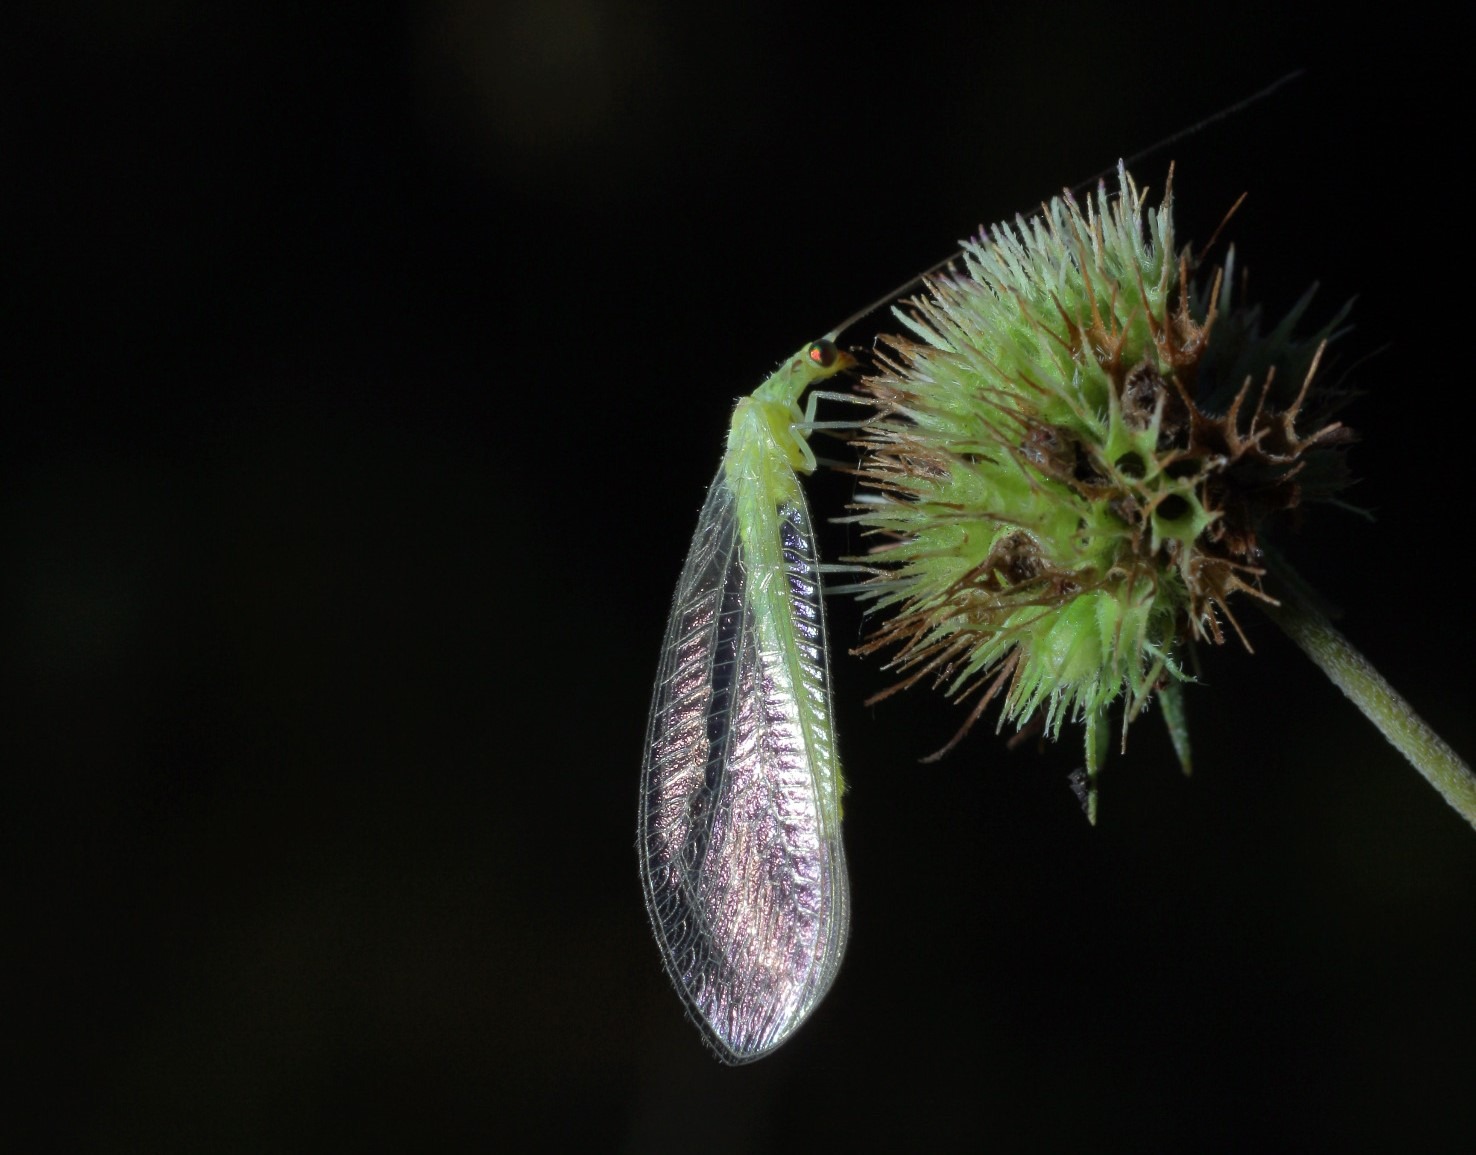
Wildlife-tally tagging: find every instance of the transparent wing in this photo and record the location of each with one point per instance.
(744, 873)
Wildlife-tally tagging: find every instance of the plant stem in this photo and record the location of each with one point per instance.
(1351, 672)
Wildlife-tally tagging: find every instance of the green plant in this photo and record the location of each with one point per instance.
(1077, 456)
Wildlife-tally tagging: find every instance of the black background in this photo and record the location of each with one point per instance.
(367, 365)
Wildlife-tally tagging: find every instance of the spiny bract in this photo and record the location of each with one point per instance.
(1071, 462)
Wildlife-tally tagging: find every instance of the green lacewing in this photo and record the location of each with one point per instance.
(739, 831)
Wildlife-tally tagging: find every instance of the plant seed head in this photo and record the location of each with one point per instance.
(1075, 451)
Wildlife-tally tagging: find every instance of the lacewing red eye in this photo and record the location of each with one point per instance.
(824, 353)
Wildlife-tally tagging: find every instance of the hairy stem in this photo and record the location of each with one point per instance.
(1351, 672)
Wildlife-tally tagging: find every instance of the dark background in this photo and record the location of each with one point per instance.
(366, 367)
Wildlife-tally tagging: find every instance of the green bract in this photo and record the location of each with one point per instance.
(1071, 463)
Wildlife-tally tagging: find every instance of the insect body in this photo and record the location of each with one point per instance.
(739, 838)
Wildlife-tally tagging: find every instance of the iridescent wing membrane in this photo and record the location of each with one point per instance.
(741, 857)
